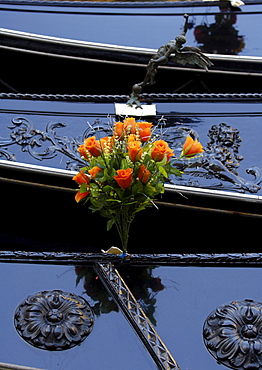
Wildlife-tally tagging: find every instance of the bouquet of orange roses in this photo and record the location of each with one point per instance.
(125, 172)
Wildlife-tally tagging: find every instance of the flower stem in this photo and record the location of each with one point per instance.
(123, 223)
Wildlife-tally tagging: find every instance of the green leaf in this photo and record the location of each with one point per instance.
(150, 191)
(126, 193)
(175, 171)
(120, 192)
(100, 163)
(110, 223)
(93, 162)
(94, 186)
(129, 204)
(100, 175)
(83, 188)
(147, 159)
(140, 198)
(124, 164)
(141, 208)
(163, 162)
(97, 202)
(107, 189)
(85, 169)
(105, 213)
(137, 188)
(113, 200)
(163, 171)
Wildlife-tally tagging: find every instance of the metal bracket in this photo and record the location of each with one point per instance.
(136, 316)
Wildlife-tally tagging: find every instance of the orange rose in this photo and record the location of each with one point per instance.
(119, 130)
(106, 143)
(124, 178)
(94, 171)
(81, 178)
(191, 148)
(132, 137)
(130, 125)
(144, 129)
(134, 150)
(143, 174)
(160, 150)
(93, 146)
(79, 196)
(82, 151)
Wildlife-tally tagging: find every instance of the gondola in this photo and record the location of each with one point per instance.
(114, 42)
(189, 286)
(77, 75)
(39, 156)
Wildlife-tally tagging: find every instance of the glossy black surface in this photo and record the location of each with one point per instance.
(190, 295)
(48, 134)
(134, 25)
(215, 29)
(40, 212)
(112, 343)
(52, 79)
(50, 219)
(177, 299)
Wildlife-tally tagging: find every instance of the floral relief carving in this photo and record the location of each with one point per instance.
(218, 168)
(221, 162)
(233, 334)
(54, 320)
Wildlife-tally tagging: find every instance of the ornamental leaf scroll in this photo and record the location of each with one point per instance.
(220, 162)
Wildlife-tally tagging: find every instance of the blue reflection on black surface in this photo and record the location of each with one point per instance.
(228, 163)
(111, 345)
(190, 295)
(140, 280)
(222, 35)
(149, 27)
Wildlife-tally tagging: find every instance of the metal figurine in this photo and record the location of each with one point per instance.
(187, 55)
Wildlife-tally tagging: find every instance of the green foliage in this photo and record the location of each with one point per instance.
(145, 178)
(110, 223)
(108, 198)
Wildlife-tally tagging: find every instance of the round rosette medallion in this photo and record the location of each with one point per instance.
(233, 334)
(54, 320)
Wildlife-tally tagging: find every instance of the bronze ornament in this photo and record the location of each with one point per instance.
(233, 334)
(54, 320)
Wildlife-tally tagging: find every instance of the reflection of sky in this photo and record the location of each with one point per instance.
(250, 27)
(150, 30)
(191, 294)
(111, 345)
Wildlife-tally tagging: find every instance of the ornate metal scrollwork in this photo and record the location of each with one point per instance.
(233, 334)
(221, 161)
(217, 168)
(54, 320)
(47, 144)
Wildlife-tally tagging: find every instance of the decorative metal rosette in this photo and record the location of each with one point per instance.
(54, 320)
(233, 334)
